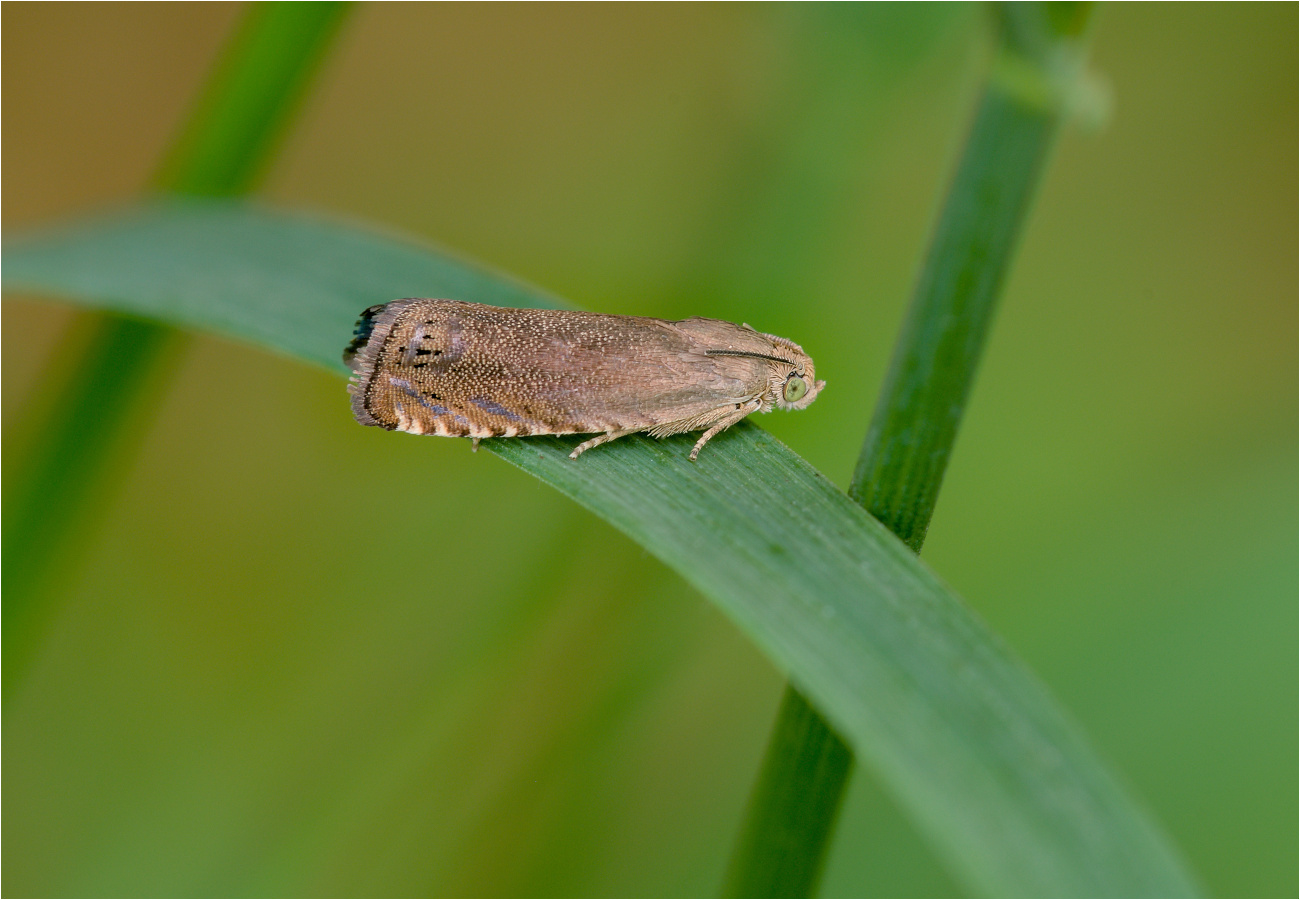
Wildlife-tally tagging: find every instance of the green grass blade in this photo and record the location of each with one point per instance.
(912, 432)
(964, 736)
(792, 813)
(910, 440)
(108, 381)
(77, 444)
(250, 99)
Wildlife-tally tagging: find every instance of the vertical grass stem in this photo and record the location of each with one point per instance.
(805, 772)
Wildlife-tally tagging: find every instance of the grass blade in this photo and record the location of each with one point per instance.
(250, 99)
(121, 366)
(967, 739)
(906, 449)
(911, 437)
(912, 432)
(796, 800)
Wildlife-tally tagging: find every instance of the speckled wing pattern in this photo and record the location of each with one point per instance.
(452, 368)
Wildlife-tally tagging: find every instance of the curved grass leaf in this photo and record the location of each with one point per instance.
(963, 735)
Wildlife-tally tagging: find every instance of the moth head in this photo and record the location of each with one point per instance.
(792, 379)
(795, 386)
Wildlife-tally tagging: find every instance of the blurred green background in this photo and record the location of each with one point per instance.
(243, 694)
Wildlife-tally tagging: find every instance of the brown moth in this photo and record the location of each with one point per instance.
(468, 370)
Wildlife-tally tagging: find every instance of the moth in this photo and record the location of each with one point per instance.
(460, 369)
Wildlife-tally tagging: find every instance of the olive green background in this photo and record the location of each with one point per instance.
(310, 658)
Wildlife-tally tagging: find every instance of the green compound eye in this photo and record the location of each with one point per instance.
(795, 388)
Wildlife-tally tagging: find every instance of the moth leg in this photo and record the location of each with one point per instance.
(723, 424)
(600, 439)
(474, 449)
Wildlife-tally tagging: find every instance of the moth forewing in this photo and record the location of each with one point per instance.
(451, 368)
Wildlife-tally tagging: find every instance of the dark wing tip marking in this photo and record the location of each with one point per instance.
(361, 333)
(362, 353)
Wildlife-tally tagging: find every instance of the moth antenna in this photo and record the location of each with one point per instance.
(749, 355)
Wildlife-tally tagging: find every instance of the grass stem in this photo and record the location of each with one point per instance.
(798, 794)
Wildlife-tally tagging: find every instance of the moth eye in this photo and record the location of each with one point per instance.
(795, 388)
